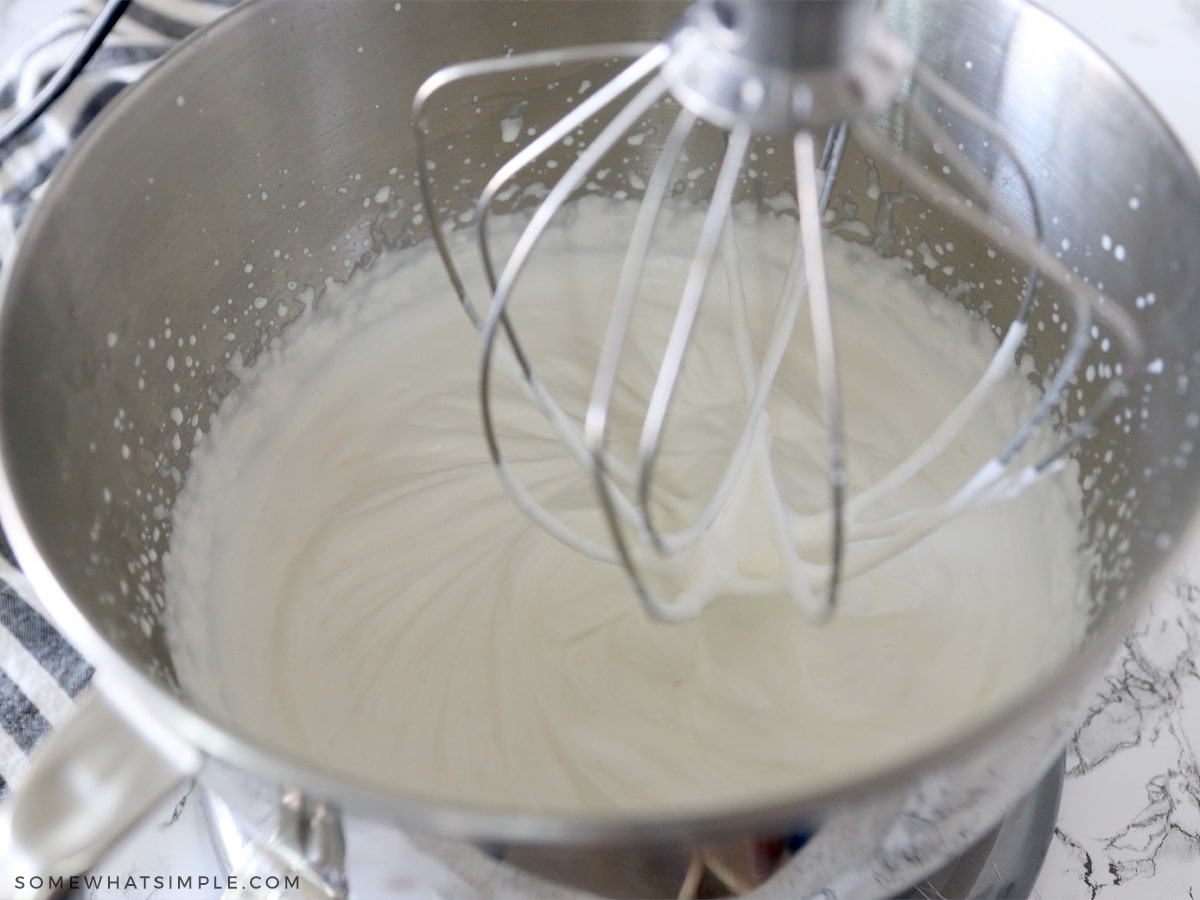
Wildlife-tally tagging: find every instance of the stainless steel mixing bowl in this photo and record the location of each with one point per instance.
(249, 165)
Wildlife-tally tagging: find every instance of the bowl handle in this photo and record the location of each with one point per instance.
(89, 782)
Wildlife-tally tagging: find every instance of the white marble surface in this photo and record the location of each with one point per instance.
(1129, 826)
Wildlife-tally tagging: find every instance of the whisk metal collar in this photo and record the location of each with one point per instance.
(779, 68)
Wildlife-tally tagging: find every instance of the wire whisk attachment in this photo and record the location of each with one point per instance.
(816, 75)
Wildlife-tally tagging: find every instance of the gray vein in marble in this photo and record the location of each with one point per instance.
(1141, 708)
(179, 807)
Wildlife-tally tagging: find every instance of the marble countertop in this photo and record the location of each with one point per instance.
(1129, 825)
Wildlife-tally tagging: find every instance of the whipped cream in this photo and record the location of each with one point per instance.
(349, 581)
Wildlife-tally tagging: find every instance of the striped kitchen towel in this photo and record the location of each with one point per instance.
(40, 673)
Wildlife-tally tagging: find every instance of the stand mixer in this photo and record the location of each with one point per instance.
(339, 141)
(802, 72)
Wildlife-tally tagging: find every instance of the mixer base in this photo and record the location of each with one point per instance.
(1007, 860)
(1004, 863)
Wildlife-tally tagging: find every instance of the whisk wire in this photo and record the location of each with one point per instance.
(596, 420)
(648, 59)
(685, 320)
(993, 481)
(808, 203)
(1088, 304)
(502, 288)
(953, 424)
(757, 385)
(485, 68)
(1113, 316)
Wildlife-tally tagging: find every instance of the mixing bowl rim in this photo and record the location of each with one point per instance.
(123, 681)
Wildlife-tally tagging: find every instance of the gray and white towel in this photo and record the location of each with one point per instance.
(40, 672)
